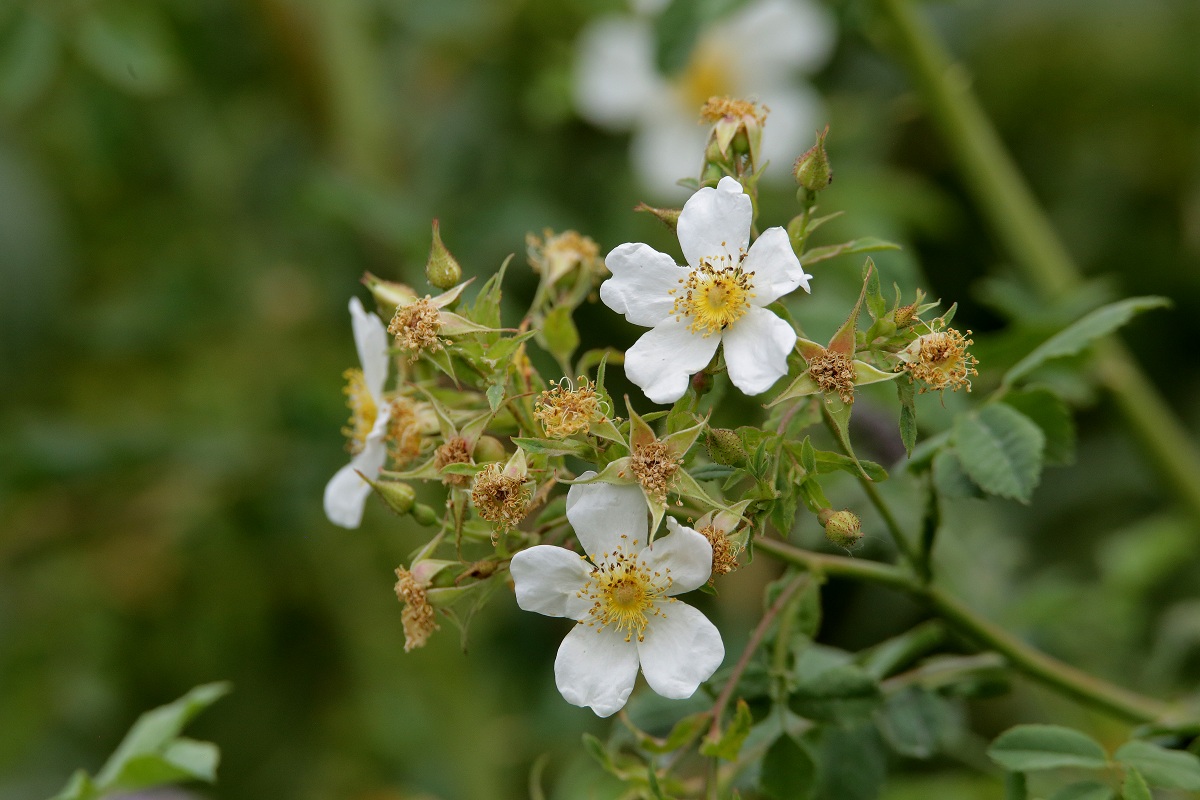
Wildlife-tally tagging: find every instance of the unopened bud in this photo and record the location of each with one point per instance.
(724, 447)
(441, 270)
(389, 294)
(424, 515)
(398, 496)
(702, 382)
(812, 170)
(842, 528)
(668, 216)
(489, 448)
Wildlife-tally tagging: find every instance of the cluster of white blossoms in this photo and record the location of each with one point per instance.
(718, 298)
(755, 52)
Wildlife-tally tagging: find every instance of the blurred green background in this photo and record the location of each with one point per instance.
(189, 193)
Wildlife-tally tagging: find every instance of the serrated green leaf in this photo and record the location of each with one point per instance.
(1026, 748)
(1084, 790)
(1174, 769)
(1050, 414)
(730, 743)
(853, 763)
(1001, 450)
(1135, 787)
(789, 771)
(950, 478)
(1075, 337)
(836, 694)
(828, 461)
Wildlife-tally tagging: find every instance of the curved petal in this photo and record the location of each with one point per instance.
(776, 269)
(680, 650)
(683, 554)
(641, 284)
(756, 350)
(666, 356)
(666, 148)
(602, 513)
(371, 340)
(346, 491)
(596, 668)
(616, 81)
(715, 224)
(548, 581)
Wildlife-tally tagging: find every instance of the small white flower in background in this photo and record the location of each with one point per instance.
(719, 297)
(346, 491)
(755, 52)
(623, 599)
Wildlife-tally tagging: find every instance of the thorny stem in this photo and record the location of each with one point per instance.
(1013, 212)
(1056, 674)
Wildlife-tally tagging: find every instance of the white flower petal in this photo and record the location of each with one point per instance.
(548, 579)
(773, 37)
(615, 77)
(683, 551)
(715, 224)
(596, 667)
(680, 650)
(347, 492)
(666, 356)
(371, 340)
(601, 513)
(756, 350)
(668, 147)
(640, 284)
(776, 269)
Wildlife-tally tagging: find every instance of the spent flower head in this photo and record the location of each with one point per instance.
(502, 493)
(567, 409)
(556, 255)
(417, 616)
(939, 360)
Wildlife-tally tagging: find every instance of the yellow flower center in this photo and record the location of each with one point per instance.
(708, 73)
(625, 592)
(713, 297)
(363, 411)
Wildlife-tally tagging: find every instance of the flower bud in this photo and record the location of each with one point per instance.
(489, 448)
(388, 294)
(842, 528)
(668, 216)
(441, 270)
(812, 170)
(702, 382)
(724, 447)
(398, 496)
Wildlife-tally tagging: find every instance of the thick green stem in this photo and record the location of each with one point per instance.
(1018, 221)
(1060, 676)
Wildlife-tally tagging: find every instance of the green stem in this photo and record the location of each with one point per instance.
(1056, 674)
(1018, 221)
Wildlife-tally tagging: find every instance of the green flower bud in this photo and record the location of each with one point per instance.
(441, 270)
(812, 170)
(489, 448)
(842, 528)
(398, 496)
(668, 216)
(724, 447)
(389, 294)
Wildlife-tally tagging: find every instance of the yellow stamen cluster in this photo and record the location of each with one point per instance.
(416, 327)
(558, 254)
(417, 615)
(718, 108)
(654, 467)
(724, 551)
(940, 360)
(502, 500)
(455, 451)
(834, 373)
(625, 592)
(363, 411)
(565, 411)
(404, 437)
(713, 297)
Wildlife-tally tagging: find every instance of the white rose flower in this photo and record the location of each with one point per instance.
(719, 297)
(623, 597)
(346, 491)
(755, 52)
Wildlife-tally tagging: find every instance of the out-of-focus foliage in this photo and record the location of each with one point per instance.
(190, 193)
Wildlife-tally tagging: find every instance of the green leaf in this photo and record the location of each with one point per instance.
(486, 309)
(552, 447)
(905, 391)
(29, 58)
(867, 244)
(1075, 337)
(835, 694)
(876, 305)
(950, 478)
(917, 723)
(79, 787)
(1001, 450)
(1174, 769)
(789, 771)
(730, 743)
(853, 763)
(828, 461)
(598, 751)
(682, 734)
(1135, 787)
(560, 334)
(1035, 747)
(1050, 414)
(495, 395)
(1084, 790)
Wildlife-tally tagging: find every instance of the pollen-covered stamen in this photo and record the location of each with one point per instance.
(363, 411)
(417, 616)
(940, 360)
(563, 411)
(834, 373)
(404, 438)
(724, 551)
(714, 296)
(455, 451)
(501, 499)
(625, 592)
(654, 467)
(717, 108)
(416, 327)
